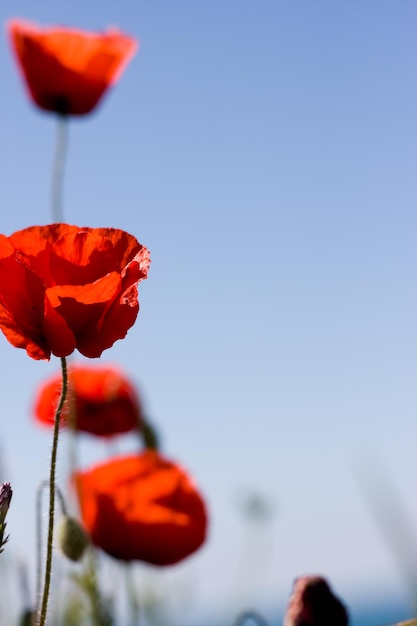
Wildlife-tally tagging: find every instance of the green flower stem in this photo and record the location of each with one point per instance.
(40, 490)
(101, 609)
(58, 168)
(48, 565)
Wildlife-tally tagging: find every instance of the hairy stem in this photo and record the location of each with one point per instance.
(42, 485)
(48, 565)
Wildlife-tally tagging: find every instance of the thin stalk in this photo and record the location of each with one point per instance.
(101, 611)
(48, 565)
(131, 595)
(42, 485)
(61, 146)
(72, 435)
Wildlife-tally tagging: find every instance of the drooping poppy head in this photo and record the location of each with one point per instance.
(312, 603)
(101, 401)
(64, 288)
(142, 508)
(68, 70)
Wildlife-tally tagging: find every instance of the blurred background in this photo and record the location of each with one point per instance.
(265, 153)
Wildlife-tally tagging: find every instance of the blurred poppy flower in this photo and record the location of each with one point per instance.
(63, 287)
(104, 402)
(142, 508)
(67, 70)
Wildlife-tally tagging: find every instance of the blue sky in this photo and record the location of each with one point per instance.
(265, 152)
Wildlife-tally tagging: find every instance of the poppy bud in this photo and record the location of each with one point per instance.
(5, 497)
(72, 538)
(312, 603)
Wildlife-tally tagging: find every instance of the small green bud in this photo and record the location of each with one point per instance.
(72, 538)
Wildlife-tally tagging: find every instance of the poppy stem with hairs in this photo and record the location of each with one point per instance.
(42, 485)
(61, 146)
(48, 564)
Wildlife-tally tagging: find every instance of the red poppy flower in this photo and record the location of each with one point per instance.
(68, 70)
(142, 508)
(104, 402)
(64, 287)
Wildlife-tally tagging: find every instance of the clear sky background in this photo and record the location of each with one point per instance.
(266, 153)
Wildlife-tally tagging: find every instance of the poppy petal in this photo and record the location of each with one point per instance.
(83, 309)
(21, 303)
